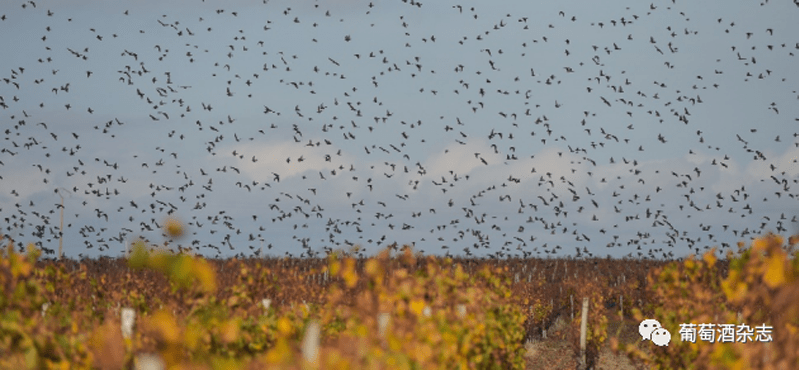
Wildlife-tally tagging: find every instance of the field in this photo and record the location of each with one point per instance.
(397, 310)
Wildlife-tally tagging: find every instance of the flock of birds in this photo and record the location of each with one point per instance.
(314, 149)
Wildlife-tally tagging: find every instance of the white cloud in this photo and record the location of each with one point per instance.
(272, 158)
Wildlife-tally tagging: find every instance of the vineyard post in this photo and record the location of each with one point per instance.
(584, 313)
(621, 311)
(427, 311)
(61, 225)
(571, 310)
(462, 310)
(383, 323)
(311, 346)
(128, 316)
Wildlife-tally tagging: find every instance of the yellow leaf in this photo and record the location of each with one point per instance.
(284, 326)
(173, 228)
(31, 357)
(230, 331)
(334, 268)
(280, 352)
(395, 344)
(372, 268)
(350, 277)
(775, 275)
(760, 244)
(139, 255)
(417, 306)
(163, 322)
(182, 270)
(709, 258)
(206, 275)
(192, 337)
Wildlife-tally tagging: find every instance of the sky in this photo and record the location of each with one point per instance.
(529, 129)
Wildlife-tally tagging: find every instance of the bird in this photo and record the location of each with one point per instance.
(399, 124)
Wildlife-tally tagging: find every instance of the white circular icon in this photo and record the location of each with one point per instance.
(647, 327)
(661, 337)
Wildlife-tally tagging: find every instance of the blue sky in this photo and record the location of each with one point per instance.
(621, 128)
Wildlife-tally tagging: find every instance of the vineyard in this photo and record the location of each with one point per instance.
(398, 310)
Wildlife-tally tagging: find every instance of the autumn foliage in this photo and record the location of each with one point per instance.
(398, 310)
(761, 287)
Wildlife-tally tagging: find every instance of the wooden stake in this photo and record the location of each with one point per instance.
(128, 316)
(571, 310)
(311, 346)
(584, 313)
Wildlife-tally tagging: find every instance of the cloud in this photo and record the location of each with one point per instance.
(24, 182)
(272, 158)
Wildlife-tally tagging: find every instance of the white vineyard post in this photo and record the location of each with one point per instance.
(462, 310)
(128, 316)
(45, 306)
(266, 302)
(149, 362)
(311, 346)
(584, 313)
(383, 323)
(621, 310)
(571, 310)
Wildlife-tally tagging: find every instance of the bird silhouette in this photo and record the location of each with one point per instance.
(402, 104)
